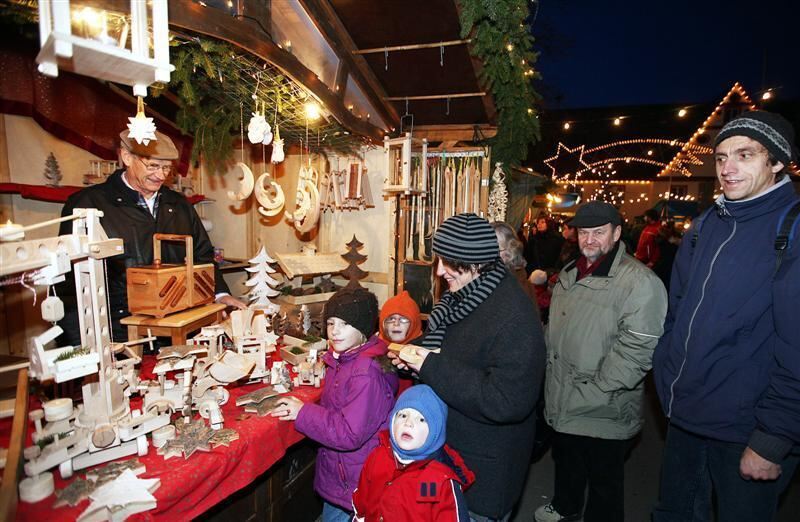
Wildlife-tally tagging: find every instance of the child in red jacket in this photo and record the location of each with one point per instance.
(412, 474)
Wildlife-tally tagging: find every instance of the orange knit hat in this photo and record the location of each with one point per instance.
(402, 304)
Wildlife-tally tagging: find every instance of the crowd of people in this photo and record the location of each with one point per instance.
(457, 443)
(448, 432)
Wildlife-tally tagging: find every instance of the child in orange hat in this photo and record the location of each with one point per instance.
(400, 322)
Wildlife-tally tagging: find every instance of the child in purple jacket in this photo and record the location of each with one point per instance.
(358, 394)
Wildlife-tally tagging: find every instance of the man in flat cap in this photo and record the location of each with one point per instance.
(135, 206)
(606, 315)
(727, 369)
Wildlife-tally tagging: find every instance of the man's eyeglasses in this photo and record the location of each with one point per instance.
(154, 168)
(396, 319)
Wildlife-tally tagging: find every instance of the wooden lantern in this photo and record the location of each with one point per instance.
(90, 50)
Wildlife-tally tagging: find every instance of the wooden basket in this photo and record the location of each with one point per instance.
(163, 289)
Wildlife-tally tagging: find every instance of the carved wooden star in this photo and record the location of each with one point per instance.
(127, 493)
(256, 396)
(74, 493)
(263, 407)
(115, 469)
(223, 437)
(190, 437)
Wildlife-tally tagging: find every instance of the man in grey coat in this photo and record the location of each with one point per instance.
(606, 316)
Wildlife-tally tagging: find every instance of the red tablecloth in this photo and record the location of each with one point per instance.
(191, 486)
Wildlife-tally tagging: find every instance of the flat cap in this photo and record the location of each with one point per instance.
(161, 148)
(595, 214)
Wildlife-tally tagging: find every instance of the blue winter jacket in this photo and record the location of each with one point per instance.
(723, 368)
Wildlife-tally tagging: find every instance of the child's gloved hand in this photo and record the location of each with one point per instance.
(287, 408)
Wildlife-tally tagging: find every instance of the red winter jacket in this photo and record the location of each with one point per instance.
(647, 250)
(422, 490)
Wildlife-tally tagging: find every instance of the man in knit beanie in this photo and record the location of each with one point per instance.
(727, 368)
(412, 475)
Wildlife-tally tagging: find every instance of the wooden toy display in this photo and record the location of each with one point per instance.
(161, 289)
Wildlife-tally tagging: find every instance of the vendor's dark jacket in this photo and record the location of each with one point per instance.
(489, 374)
(123, 218)
(728, 365)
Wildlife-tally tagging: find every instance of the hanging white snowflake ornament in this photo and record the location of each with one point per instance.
(498, 197)
(141, 128)
(258, 129)
(277, 147)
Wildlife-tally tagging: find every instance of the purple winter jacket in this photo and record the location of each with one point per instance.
(354, 407)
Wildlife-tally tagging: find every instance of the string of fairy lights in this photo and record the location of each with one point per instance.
(764, 96)
(680, 163)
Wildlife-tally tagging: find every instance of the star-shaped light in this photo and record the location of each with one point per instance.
(141, 128)
(567, 161)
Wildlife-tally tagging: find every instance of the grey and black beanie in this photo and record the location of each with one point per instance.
(466, 238)
(771, 130)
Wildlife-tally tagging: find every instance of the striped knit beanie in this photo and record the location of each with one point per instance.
(771, 130)
(466, 238)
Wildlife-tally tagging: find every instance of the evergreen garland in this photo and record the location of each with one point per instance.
(202, 67)
(502, 42)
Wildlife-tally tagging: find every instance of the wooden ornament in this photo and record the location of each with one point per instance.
(246, 183)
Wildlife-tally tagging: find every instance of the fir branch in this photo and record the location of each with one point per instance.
(503, 43)
(71, 354)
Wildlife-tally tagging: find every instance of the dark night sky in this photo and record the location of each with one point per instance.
(597, 53)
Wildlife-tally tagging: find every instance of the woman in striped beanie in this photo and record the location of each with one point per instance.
(487, 365)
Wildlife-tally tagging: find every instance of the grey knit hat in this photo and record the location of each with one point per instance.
(771, 130)
(466, 238)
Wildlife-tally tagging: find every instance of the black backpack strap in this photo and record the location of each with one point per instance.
(785, 232)
(698, 224)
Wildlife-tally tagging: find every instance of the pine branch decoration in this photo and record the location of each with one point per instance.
(503, 43)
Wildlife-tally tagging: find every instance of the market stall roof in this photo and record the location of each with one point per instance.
(415, 51)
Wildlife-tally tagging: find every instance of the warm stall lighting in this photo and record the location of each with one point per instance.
(312, 110)
(682, 113)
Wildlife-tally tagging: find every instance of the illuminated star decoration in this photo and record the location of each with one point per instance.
(141, 128)
(566, 161)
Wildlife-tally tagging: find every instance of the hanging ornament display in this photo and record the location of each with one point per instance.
(270, 197)
(259, 130)
(141, 128)
(498, 197)
(277, 147)
(245, 184)
(306, 214)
